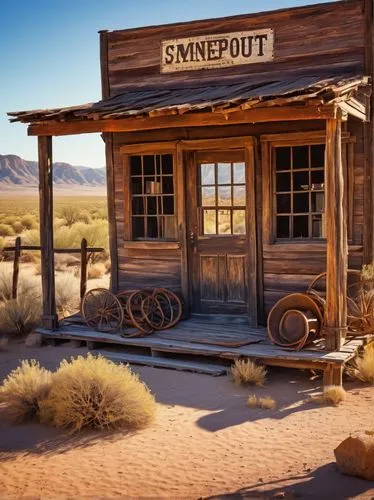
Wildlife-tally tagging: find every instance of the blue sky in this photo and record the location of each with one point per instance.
(49, 57)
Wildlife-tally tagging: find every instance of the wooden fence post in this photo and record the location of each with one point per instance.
(83, 286)
(17, 254)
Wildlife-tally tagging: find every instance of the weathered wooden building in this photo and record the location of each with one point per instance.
(239, 157)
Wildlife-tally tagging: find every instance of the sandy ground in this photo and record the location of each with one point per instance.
(205, 442)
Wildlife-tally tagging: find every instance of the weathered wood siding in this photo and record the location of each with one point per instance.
(325, 37)
(284, 270)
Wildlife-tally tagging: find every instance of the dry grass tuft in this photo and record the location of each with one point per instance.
(21, 315)
(67, 294)
(266, 402)
(96, 271)
(95, 393)
(332, 395)
(6, 230)
(363, 368)
(24, 389)
(245, 371)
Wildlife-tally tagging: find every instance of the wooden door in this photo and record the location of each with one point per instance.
(221, 218)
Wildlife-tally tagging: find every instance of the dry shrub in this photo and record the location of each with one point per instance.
(96, 271)
(363, 368)
(24, 389)
(95, 393)
(266, 402)
(6, 230)
(84, 216)
(28, 221)
(2, 242)
(108, 266)
(67, 293)
(69, 214)
(31, 237)
(367, 271)
(245, 371)
(21, 315)
(332, 395)
(25, 286)
(17, 227)
(30, 257)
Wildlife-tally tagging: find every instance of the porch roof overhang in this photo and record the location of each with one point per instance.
(298, 98)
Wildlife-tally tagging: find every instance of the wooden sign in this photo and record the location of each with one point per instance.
(217, 51)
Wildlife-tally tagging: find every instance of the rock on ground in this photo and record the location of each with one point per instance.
(355, 456)
(34, 340)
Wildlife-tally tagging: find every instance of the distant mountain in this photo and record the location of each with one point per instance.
(14, 171)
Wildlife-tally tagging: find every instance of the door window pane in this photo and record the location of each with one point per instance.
(209, 221)
(300, 226)
(283, 158)
(283, 226)
(239, 173)
(284, 182)
(224, 221)
(239, 196)
(224, 196)
(224, 173)
(207, 174)
(300, 157)
(238, 221)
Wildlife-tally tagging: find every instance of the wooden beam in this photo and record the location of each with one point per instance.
(368, 229)
(336, 236)
(201, 119)
(105, 87)
(110, 183)
(49, 319)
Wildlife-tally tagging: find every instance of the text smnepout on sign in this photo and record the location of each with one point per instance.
(216, 51)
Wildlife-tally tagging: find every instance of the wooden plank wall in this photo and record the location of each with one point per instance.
(311, 39)
(283, 271)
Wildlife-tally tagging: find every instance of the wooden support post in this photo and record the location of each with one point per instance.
(333, 375)
(17, 254)
(49, 319)
(336, 235)
(83, 284)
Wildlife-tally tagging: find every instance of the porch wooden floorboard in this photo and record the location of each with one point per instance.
(200, 338)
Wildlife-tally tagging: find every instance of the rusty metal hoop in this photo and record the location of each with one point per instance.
(123, 298)
(134, 311)
(152, 312)
(321, 291)
(102, 311)
(171, 306)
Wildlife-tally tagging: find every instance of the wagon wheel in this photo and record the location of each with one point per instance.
(123, 297)
(153, 312)
(171, 306)
(102, 310)
(317, 287)
(134, 310)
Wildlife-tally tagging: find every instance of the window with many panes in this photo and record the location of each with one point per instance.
(152, 197)
(299, 191)
(222, 198)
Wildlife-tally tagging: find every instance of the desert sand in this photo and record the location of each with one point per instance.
(205, 442)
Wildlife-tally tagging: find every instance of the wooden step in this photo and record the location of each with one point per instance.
(154, 361)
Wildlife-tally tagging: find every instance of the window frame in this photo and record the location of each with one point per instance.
(268, 144)
(142, 150)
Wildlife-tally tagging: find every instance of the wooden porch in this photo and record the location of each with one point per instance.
(203, 346)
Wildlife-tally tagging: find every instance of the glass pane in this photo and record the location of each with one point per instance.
(283, 203)
(208, 196)
(300, 157)
(149, 165)
(317, 156)
(318, 226)
(239, 196)
(209, 221)
(301, 202)
(168, 227)
(168, 205)
(283, 158)
(224, 173)
(317, 179)
(300, 226)
(167, 164)
(152, 229)
(239, 173)
(137, 205)
(284, 182)
(151, 186)
(151, 205)
(167, 185)
(224, 196)
(136, 165)
(300, 181)
(136, 185)
(158, 165)
(207, 174)
(138, 227)
(318, 202)
(224, 222)
(283, 226)
(238, 221)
